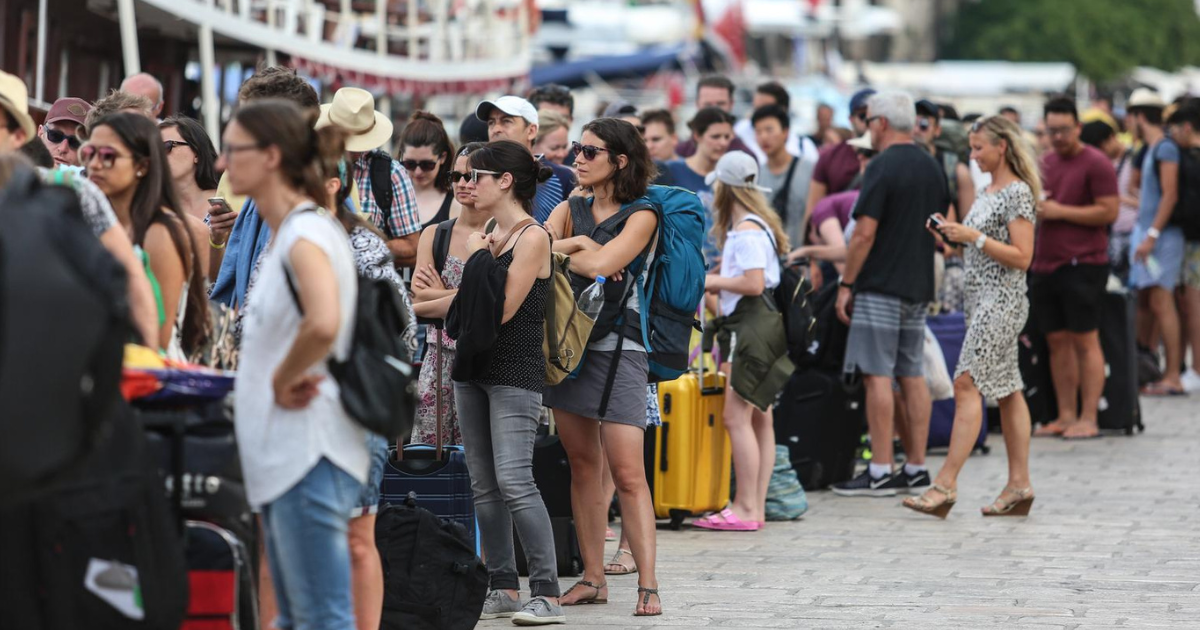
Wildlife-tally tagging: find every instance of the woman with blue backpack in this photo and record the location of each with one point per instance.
(749, 329)
(600, 410)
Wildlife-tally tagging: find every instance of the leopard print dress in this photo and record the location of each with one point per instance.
(996, 302)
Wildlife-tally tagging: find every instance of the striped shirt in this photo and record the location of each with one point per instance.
(401, 219)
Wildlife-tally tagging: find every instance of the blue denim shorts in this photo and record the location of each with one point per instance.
(368, 498)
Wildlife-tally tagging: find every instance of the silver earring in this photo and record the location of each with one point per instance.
(139, 173)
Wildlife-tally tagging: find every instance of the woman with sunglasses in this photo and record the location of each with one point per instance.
(609, 235)
(498, 379)
(426, 151)
(193, 161)
(126, 159)
(433, 291)
(304, 459)
(997, 238)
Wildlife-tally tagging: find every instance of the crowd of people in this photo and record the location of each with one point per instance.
(910, 210)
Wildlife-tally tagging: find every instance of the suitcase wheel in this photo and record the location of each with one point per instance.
(677, 517)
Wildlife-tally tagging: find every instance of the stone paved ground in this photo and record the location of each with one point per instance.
(1113, 542)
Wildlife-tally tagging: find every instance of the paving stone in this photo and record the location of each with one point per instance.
(1113, 542)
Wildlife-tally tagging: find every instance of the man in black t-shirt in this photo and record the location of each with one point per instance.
(887, 282)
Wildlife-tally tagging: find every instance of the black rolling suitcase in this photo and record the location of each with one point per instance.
(552, 474)
(820, 420)
(1120, 409)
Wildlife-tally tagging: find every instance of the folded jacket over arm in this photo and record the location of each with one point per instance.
(475, 316)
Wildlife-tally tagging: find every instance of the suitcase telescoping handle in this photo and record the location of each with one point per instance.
(437, 366)
(705, 390)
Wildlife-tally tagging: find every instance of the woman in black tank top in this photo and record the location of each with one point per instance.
(499, 411)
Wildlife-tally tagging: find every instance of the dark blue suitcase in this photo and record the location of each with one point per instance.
(950, 331)
(442, 486)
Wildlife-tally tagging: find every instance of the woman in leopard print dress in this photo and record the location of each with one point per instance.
(997, 237)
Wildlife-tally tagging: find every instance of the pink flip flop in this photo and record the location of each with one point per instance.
(730, 523)
(709, 522)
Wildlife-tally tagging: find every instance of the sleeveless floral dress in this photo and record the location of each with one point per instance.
(425, 428)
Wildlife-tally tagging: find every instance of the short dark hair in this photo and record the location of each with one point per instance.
(659, 116)
(1152, 114)
(1096, 133)
(716, 81)
(197, 138)
(771, 111)
(776, 90)
(553, 94)
(1061, 104)
(279, 82)
(472, 129)
(1009, 109)
(948, 112)
(708, 117)
(36, 151)
(971, 117)
(1188, 113)
(622, 138)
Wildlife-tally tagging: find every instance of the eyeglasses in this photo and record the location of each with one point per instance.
(171, 144)
(56, 137)
(870, 119)
(924, 124)
(476, 172)
(861, 115)
(108, 155)
(1059, 131)
(589, 152)
(229, 149)
(424, 165)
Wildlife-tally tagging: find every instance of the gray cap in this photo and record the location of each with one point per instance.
(736, 169)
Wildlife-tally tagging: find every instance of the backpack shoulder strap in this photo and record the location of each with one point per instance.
(580, 216)
(381, 183)
(441, 243)
(784, 195)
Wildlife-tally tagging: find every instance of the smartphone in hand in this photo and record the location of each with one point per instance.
(937, 222)
(220, 206)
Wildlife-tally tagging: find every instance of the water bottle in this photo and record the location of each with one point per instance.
(592, 299)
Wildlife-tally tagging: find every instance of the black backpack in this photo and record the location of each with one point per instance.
(377, 381)
(381, 185)
(794, 299)
(63, 326)
(1187, 209)
(827, 347)
(432, 579)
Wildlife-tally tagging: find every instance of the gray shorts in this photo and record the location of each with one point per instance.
(582, 395)
(887, 337)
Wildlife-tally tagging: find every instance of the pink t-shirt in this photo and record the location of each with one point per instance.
(1078, 180)
(837, 205)
(836, 167)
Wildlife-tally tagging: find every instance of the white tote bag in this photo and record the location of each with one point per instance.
(937, 376)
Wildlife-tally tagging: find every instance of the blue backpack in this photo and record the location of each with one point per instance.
(674, 281)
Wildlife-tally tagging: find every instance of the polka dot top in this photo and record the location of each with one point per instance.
(518, 360)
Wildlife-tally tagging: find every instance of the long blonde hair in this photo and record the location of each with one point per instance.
(726, 198)
(1019, 155)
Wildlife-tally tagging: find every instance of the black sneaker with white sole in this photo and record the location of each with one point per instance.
(865, 486)
(918, 483)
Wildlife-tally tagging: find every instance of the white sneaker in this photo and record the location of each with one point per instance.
(1191, 381)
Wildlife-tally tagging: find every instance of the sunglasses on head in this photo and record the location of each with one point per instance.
(424, 165)
(108, 155)
(589, 152)
(56, 137)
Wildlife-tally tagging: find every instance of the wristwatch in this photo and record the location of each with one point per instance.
(1153, 233)
(847, 285)
(980, 241)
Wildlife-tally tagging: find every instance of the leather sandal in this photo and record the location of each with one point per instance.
(617, 562)
(1018, 504)
(645, 594)
(926, 505)
(594, 599)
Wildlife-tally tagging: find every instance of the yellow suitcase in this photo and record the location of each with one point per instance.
(688, 457)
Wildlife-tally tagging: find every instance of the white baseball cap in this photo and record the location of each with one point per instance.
(511, 105)
(736, 169)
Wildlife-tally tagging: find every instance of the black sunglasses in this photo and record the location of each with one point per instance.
(924, 125)
(589, 152)
(424, 165)
(171, 144)
(56, 137)
(866, 153)
(456, 176)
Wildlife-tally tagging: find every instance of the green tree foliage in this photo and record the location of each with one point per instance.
(1103, 38)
